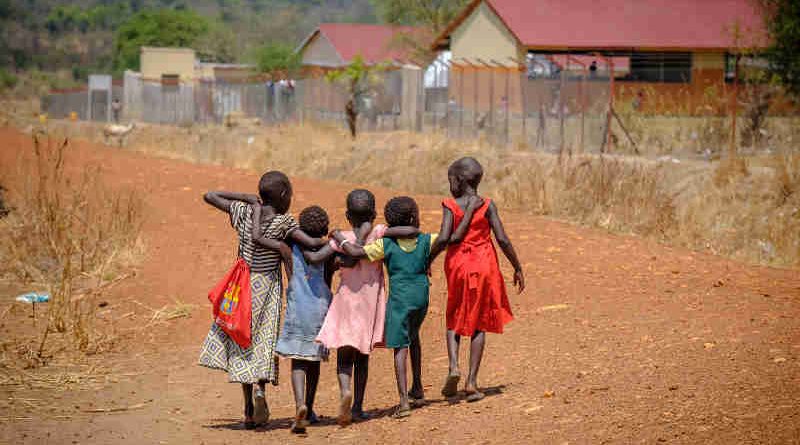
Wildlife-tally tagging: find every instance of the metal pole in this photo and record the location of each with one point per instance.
(734, 102)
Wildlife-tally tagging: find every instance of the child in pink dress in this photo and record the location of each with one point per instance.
(354, 323)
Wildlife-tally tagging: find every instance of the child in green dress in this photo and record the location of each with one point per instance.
(406, 262)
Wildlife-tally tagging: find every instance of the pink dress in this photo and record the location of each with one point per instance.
(358, 310)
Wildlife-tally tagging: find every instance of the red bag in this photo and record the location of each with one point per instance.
(231, 300)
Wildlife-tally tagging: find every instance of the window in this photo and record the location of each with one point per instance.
(661, 67)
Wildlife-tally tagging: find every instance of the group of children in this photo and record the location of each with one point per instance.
(359, 317)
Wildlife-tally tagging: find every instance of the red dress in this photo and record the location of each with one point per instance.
(476, 292)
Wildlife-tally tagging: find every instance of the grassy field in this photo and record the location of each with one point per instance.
(748, 208)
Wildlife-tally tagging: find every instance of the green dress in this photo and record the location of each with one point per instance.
(408, 290)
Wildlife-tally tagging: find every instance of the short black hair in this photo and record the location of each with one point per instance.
(401, 211)
(275, 189)
(314, 221)
(360, 206)
(469, 169)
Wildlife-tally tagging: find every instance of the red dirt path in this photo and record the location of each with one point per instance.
(616, 340)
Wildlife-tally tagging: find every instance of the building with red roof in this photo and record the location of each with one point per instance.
(334, 45)
(674, 47)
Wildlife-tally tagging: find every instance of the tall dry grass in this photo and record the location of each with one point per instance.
(748, 211)
(68, 233)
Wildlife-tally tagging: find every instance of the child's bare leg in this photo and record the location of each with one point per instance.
(361, 372)
(476, 348)
(450, 388)
(344, 368)
(247, 392)
(261, 410)
(453, 343)
(416, 369)
(312, 380)
(299, 382)
(400, 356)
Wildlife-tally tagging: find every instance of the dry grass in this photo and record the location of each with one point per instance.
(70, 234)
(745, 209)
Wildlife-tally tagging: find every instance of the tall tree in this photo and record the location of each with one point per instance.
(432, 14)
(164, 27)
(783, 23)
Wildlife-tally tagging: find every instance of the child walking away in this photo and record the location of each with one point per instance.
(256, 364)
(354, 324)
(406, 261)
(307, 301)
(476, 295)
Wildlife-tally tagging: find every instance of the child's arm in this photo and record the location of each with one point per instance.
(362, 232)
(222, 200)
(505, 245)
(445, 231)
(263, 241)
(305, 241)
(320, 255)
(401, 232)
(286, 257)
(473, 203)
(351, 249)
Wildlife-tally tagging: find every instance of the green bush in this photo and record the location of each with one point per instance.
(7, 80)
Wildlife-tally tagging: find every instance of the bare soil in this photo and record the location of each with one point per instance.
(616, 340)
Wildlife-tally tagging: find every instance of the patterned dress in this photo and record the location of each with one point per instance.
(258, 362)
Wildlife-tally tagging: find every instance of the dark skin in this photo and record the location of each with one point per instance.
(466, 196)
(222, 200)
(400, 354)
(351, 364)
(305, 374)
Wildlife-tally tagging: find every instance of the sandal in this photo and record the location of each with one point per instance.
(300, 420)
(261, 413)
(416, 400)
(249, 424)
(401, 413)
(474, 396)
(345, 415)
(450, 387)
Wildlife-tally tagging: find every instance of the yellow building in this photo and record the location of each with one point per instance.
(158, 63)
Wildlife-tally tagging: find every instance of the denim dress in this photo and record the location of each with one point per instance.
(307, 300)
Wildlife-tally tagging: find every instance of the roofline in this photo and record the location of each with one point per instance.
(470, 8)
(311, 37)
(166, 49)
(583, 49)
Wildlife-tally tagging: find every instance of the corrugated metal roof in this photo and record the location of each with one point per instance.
(627, 24)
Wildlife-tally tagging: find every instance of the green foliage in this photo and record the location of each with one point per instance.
(432, 14)
(277, 57)
(164, 27)
(783, 24)
(217, 45)
(7, 80)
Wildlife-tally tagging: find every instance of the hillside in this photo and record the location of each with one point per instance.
(77, 35)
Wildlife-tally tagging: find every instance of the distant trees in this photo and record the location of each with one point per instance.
(432, 14)
(277, 57)
(783, 24)
(163, 27)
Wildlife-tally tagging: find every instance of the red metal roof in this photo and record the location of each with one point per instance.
(375, 43)
(627, 24)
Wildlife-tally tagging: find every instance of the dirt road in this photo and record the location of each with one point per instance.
(616, 339)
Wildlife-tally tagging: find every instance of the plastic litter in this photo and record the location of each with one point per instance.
(34, 297)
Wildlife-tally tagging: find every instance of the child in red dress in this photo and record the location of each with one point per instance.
(476, 293)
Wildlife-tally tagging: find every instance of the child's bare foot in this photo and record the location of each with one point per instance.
(261, 414)
(473, 394)
(345, 415)
(416, 398)
(300, 420)
(450, 387)
(359, 415)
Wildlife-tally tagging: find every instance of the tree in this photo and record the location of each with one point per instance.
(277, 57)
(217, 45)
(783, 24)
(164, 27)
(432, 14)
(358, 79)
